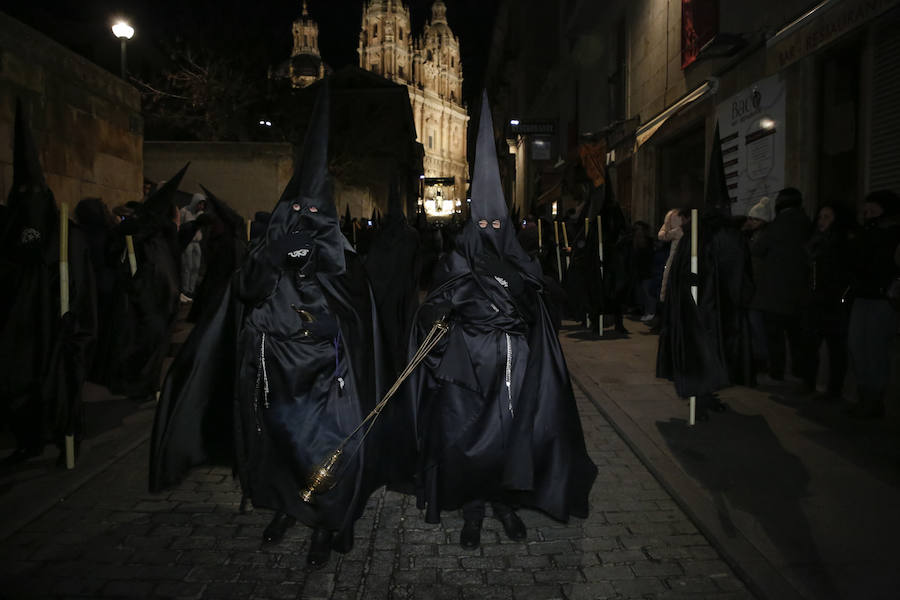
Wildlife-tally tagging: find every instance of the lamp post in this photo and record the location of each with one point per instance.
(124, 32)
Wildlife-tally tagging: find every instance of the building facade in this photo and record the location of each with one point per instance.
(86, 122)
(429, 66)
(802, 92)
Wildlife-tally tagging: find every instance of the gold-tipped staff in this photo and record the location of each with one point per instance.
(323, 477)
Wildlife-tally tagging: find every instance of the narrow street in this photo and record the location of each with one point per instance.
(111, 538)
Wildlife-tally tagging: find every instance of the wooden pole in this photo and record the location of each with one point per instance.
(694, 271)
(587, 226)
(132, 259)
(249, 221)
(540, 238)
(64, 302)
(566, 242)
(558, 259)
(353, 226)
(600, 254)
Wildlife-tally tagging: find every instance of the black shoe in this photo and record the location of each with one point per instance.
(319, 548)
(470, 536)
(512, 525)
(275, 530)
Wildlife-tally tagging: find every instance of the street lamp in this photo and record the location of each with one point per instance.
(124, 32)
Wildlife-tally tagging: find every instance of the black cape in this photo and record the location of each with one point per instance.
(297, 390)
(596, 287)
(476, 440)
(223, 250)
(393, 267)
(705, 346)
(44, 357)
(144, 306)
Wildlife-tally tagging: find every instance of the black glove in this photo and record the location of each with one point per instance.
(434, 311)
(502, 272)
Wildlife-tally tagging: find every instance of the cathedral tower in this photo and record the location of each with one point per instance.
(430, 68)
(306, 64)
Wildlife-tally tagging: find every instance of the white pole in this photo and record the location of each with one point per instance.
(132, 259)
(600, 254)
(64, 302)
(540, 238)
(558, 259)
(694, 271)
(566, 242)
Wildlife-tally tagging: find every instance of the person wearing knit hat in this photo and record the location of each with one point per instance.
(762, 210)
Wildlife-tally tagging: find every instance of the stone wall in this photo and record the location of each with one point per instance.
(249, 177)
(86, 121)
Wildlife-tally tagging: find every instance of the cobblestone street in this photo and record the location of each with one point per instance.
(112, 538)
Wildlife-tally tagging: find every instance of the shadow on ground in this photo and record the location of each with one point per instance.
(742, 464)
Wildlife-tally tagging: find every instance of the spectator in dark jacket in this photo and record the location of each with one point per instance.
(782, 291)
(873, 320)
(829, 278)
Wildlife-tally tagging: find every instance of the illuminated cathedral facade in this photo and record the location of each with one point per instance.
(430, 68)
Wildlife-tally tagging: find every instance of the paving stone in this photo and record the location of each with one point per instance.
(183, 590)
(192, 543)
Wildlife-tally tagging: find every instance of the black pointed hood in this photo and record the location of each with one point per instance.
(395, 204)
(488, 204)
(717, 197)
(307, 202)
(161, 203)
(487, 190)
(233, 222)
(32, 217)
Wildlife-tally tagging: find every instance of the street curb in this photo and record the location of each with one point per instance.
(36, 507)
(760, 576)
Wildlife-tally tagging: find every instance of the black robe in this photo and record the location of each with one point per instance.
(705, 348)
(478, 440)
(144, 306)
(393, 267)
(44, 358)
(318, 391)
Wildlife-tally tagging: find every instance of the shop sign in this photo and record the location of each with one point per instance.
(821, 29)
(752, 132)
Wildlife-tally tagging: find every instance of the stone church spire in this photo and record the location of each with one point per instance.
(306, 64)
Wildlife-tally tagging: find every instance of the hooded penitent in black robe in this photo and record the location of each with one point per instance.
(307, 359)
(44, 358)
(393, 269)
(495, 413)
(223, 249)
(144, 305)
(705, 346)
(593, 291)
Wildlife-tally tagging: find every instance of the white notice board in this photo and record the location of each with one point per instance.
(752, 130)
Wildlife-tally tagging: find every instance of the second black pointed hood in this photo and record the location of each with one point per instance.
(488, 205)
(32, 217)
(307, 203)
(161, 203)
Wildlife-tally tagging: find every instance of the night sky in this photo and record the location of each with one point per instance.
(258, 31)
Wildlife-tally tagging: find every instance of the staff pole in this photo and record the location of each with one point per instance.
(694, 271)
(602, 278)
(64, 303)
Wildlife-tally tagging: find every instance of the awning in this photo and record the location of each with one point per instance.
(646, 131)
